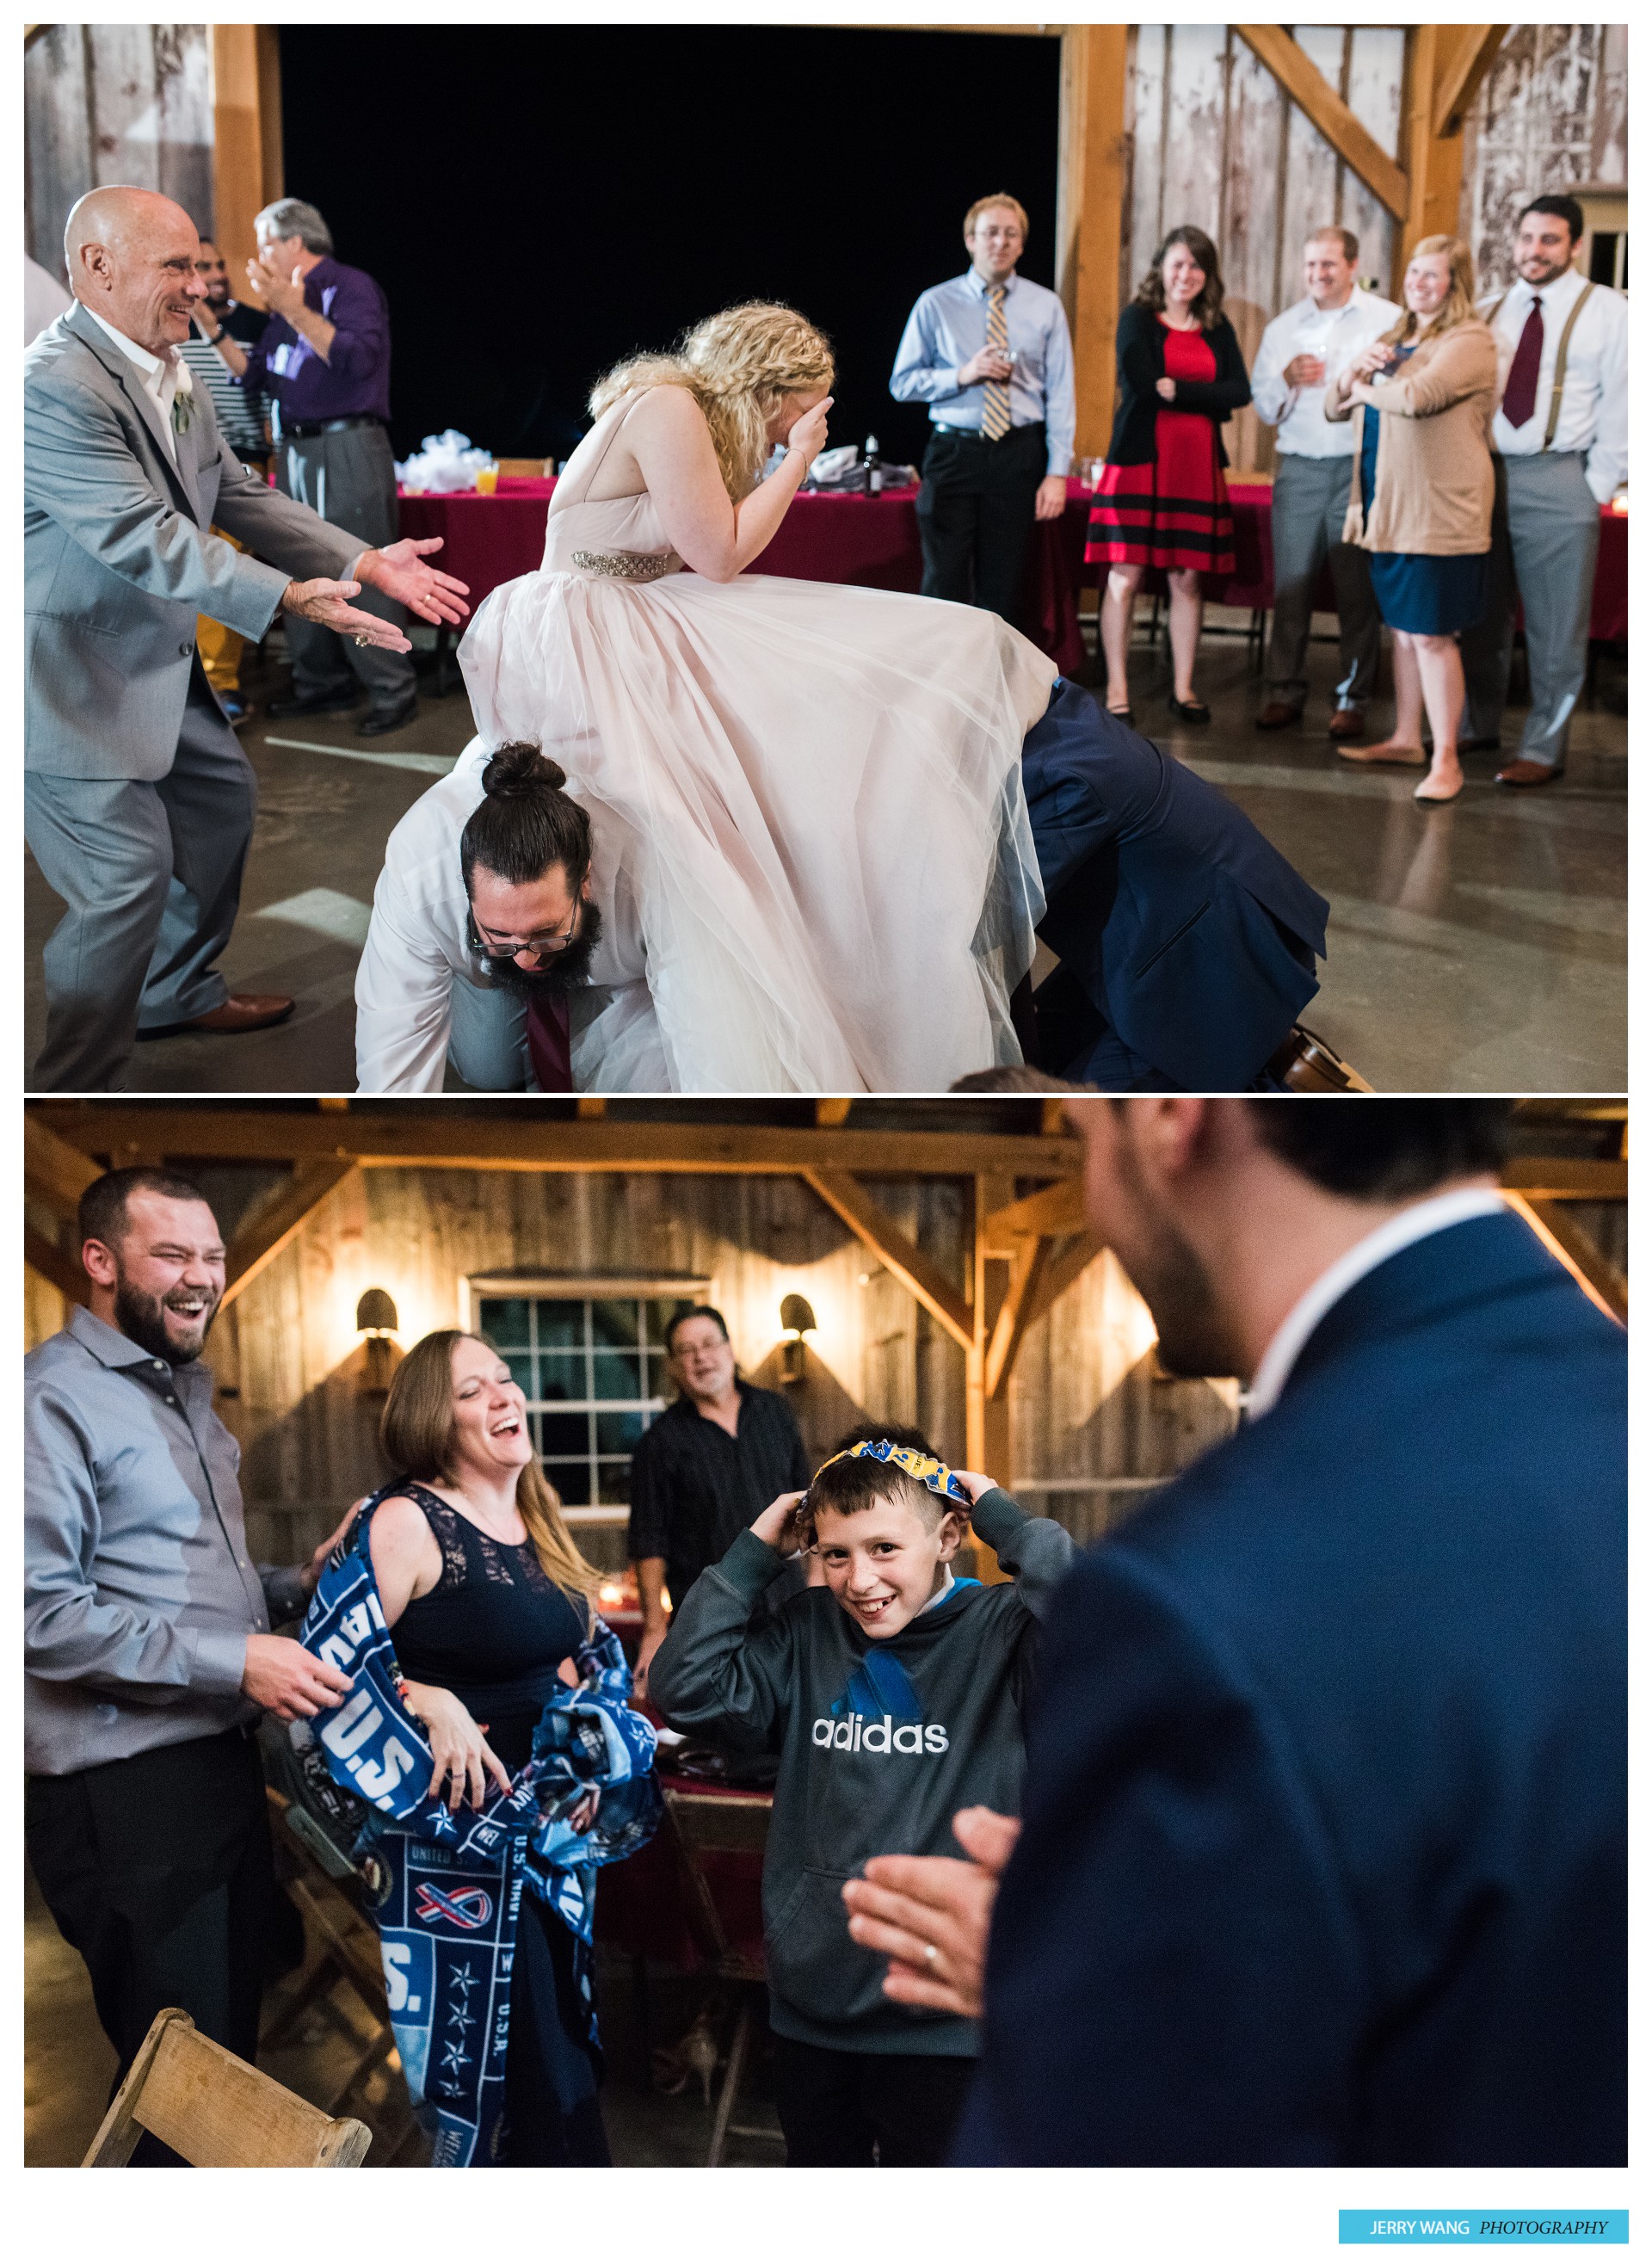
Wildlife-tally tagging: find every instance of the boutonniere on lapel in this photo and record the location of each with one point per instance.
(183, 400)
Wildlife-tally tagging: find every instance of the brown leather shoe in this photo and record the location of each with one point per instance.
(1305, 1061)
(1276, 714)
(1528, 773)
(1347, 724)
(240, 1016)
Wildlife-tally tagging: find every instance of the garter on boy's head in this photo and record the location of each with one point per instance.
(853, 1485)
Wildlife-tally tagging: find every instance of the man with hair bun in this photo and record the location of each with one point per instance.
(1302, 350)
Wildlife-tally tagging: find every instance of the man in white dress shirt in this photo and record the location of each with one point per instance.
(1563, 449)
(1302, 351)
(469, 922)
(991, 355)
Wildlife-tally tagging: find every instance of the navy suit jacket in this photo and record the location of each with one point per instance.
(1323, 1858)
(1188, 932)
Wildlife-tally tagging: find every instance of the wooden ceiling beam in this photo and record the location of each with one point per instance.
(1318, 99)
(1458, 80)
(55, 1171)
(1561, 1179)
(1058, 1209)
(1015, 1316)
(445, 1136)
(878, 1230)
(1059, 1271)
(54, 1266)
(1605, 1285)
(256, 1245)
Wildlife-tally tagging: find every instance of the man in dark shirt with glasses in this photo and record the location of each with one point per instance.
(705, 1470)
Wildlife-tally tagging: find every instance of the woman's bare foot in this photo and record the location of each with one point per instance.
(1392, 753)
(1443, 781)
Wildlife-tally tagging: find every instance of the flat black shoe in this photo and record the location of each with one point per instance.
(1190, 711)
(288, 708)
(1124, 714)
(379, 725)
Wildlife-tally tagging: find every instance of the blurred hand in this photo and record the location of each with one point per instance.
(932, 1915)
(287, 1680)
(651, 1642)
(1375, 356)
(309, 1574)
(1165, 388)
(400, 571)
(809, 432)
(457, 1743)
(1051, 500)
(1307, 370)
(583, 1816)
(988, 367)
(282, 292)
(777, 1523)
(327, 603)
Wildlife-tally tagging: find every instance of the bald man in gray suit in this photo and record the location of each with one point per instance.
(138, 802)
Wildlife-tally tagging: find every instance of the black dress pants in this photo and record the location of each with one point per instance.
(157, 1870)
(890, 2109)
(975, 515)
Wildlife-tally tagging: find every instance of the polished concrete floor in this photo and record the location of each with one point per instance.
(68, 2065)
(1474, 947)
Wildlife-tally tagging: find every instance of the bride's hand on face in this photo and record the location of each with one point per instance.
(808, 434)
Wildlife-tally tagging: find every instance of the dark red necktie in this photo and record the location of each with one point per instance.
(1519, 394)
(548, 1040)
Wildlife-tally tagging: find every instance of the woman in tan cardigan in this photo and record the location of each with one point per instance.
(1423, 397)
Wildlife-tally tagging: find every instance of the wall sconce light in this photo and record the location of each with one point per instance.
(796, 1319)
(376, 1318)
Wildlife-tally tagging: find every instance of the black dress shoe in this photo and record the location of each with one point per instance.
(1124, 714)
(375, 724)
(288, 710)
(1189, 710)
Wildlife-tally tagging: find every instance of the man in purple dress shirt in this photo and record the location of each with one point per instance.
(323, 365)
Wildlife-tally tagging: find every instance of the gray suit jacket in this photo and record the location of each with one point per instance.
(118, 556)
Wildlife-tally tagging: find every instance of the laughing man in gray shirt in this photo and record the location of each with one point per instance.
(146, 1628)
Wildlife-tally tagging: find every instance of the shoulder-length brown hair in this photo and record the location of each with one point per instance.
(1207, 307)
(1459, 304)
(417, 1434)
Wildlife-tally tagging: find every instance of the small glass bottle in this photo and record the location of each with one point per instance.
(874, 468)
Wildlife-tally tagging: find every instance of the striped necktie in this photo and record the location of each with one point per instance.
(995, 408)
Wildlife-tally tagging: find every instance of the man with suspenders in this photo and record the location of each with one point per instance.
(1562, 443)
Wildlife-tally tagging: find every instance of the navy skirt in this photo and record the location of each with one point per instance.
(1431, 595)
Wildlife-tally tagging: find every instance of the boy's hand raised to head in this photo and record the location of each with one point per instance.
(778, 1524)
(977, 1485)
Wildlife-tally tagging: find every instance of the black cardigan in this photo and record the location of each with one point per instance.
(1140, 349)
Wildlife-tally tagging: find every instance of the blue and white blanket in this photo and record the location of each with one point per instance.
(445, 1887)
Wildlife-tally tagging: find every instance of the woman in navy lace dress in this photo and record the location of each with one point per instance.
(489, 1601)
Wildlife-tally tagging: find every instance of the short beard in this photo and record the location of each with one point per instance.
(569, 968)
(140, 1318)
(1196, 1340)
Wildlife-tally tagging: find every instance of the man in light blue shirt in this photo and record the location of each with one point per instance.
(990, 354)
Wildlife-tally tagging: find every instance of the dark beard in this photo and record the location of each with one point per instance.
(569, 968)
(140, 1318)
(1193, 1340)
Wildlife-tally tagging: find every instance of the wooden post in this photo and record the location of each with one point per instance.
(1434, 161)
(247, 135)
(987, 1416)
(1090, 212)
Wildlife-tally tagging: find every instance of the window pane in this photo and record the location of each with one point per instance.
(619, 1431)
(660, 1315)
(659, 1385)
(561, 1324)
(505, 1322)
(571, 1482)
(564, 1435)
(562, 1380)
(613, 1476)
(614, 1376)
(613, 1325)
(522, 1371)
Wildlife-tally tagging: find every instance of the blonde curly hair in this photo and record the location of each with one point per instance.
(737, 365)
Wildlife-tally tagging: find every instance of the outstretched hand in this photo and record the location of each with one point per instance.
(327, 603)
(400, 571)
(932, 1915)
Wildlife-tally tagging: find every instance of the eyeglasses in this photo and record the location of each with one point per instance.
(538, 945)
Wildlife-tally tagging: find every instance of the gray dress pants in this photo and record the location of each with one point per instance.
(348, 478)
(487, 1037)
(1310, 500)
(150, 876)
(1545, 537)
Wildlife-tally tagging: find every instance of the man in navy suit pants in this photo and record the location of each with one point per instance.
(1322, 1858)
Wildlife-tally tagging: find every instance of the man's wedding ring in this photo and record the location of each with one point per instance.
(931, 1955)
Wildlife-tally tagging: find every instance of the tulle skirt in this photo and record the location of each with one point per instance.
(814, 793)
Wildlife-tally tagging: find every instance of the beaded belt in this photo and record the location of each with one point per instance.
(621, 566)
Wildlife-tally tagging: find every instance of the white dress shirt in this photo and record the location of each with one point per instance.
(1404, 1229)
(1594, 405)
(1298, 411)
(159, 378)
(416, 942)
(948, 326)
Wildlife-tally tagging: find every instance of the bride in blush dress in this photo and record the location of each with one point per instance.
(813, 793)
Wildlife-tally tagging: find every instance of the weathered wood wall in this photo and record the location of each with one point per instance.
(1552, 114)
(106, 103)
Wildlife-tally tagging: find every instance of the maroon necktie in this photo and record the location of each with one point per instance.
(548, 1040)
(1519, 394)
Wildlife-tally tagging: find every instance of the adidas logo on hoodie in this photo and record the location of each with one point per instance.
(882, 1735)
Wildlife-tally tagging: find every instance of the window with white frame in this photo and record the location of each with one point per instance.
(589, 1355)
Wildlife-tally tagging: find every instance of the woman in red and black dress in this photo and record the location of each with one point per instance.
(1163, 499)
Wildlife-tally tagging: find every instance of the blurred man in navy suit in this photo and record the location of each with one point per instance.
(1323, 1853)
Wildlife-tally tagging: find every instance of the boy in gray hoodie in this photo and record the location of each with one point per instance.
(892, 1696)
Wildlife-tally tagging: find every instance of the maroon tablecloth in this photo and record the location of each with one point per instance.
(491, 538)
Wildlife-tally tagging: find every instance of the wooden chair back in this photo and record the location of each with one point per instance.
(526, 466)
(216, 2110)
(704, 1823)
